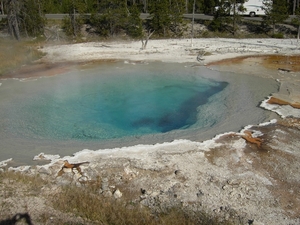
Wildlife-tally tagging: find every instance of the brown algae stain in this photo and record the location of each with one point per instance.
(43, 69)
(289, 63)
(284, 62)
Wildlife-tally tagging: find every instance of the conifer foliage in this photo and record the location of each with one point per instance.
(111, 17)
(13, 18)
(135, 23)
(25, 18)
(33, 18)
(160, 19)
(296, 22)
(72, 24)
(108, 18)
(177, 9)
(228, 15)
(276, 12)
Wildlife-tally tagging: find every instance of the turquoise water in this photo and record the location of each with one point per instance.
(106, 104)
(93, 104)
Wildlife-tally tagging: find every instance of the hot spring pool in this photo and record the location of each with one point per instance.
(122, 104)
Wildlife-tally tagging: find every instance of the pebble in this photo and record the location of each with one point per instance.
(117, 194)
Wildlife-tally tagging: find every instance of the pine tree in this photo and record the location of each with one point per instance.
(135, 23)
(237, 8)
(51, 6)
(160, 16)
(222, 19)
(209, 6)
(2, 7)
(296, 22)
(177, 9)
(25, 17)
(73, 23)
(13, 18)
(276, 12)
(112, 17)
(91, 6)
(33, 18)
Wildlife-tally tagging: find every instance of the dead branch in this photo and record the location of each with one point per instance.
(148, 35)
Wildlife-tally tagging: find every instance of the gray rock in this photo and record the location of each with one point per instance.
(43, 170)
(107, 194)
(104, 184)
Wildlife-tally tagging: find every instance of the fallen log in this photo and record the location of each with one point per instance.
(249, 138)
(71, 166)
(284, 70)
(278, 101)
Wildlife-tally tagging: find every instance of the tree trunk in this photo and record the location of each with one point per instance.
(187, 6)
(193, 21)
(145, 6)
(40, 9)
(2, 8)
(73, 20)
(144, 44)
(298, 35)
(234, 18)
(12, 18)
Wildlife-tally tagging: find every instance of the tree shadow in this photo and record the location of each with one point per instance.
(17, 218)
(257, 27)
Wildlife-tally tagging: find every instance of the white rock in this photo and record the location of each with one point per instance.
(117, 194)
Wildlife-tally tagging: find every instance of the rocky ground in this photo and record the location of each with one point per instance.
(227, 176)
(252, 176)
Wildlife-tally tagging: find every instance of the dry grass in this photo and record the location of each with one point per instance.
(87, 204)
(14, 54)
(10, 177)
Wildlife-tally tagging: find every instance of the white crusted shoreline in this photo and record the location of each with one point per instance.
(170, 50)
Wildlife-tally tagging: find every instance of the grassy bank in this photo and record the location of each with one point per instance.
(14, 54)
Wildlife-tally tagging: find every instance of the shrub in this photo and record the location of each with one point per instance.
(278, 35)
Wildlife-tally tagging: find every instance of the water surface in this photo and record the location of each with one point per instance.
(123, 104)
